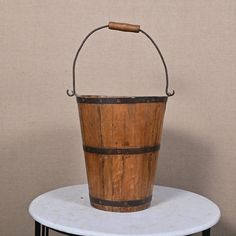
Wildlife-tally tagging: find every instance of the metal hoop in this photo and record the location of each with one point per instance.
(71, 93)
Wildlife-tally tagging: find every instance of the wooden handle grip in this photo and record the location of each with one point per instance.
(124, 27)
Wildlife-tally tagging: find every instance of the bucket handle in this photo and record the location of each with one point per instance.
(127, 28)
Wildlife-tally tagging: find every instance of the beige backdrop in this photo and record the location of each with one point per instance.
(40, 142)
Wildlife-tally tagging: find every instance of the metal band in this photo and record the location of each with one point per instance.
(120, 151)
(119, 100)
(129, 203)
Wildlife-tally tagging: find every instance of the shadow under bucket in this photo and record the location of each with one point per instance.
(121, 142)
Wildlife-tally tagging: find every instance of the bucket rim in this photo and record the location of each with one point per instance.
(103, 99)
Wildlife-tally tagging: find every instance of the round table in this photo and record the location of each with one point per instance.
(173, 212)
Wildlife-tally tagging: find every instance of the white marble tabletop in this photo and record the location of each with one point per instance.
(173, 212)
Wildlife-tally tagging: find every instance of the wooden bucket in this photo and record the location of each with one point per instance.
(121, 142)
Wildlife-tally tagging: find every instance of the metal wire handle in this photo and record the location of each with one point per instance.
(73, 92)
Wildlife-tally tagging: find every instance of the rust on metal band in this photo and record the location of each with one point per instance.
(119, 100)
(120, 151)
(128, 203)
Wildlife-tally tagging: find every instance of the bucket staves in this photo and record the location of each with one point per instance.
(121, 142)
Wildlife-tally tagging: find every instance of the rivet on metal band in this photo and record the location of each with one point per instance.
(120, 151)
(114, 203)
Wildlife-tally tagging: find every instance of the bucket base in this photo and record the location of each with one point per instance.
(121, 209)
(120, 205)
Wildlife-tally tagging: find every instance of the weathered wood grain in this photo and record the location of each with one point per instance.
(121, 177)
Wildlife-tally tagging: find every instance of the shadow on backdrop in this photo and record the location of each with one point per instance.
(185, 162)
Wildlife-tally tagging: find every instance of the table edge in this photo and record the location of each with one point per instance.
(93, 233)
